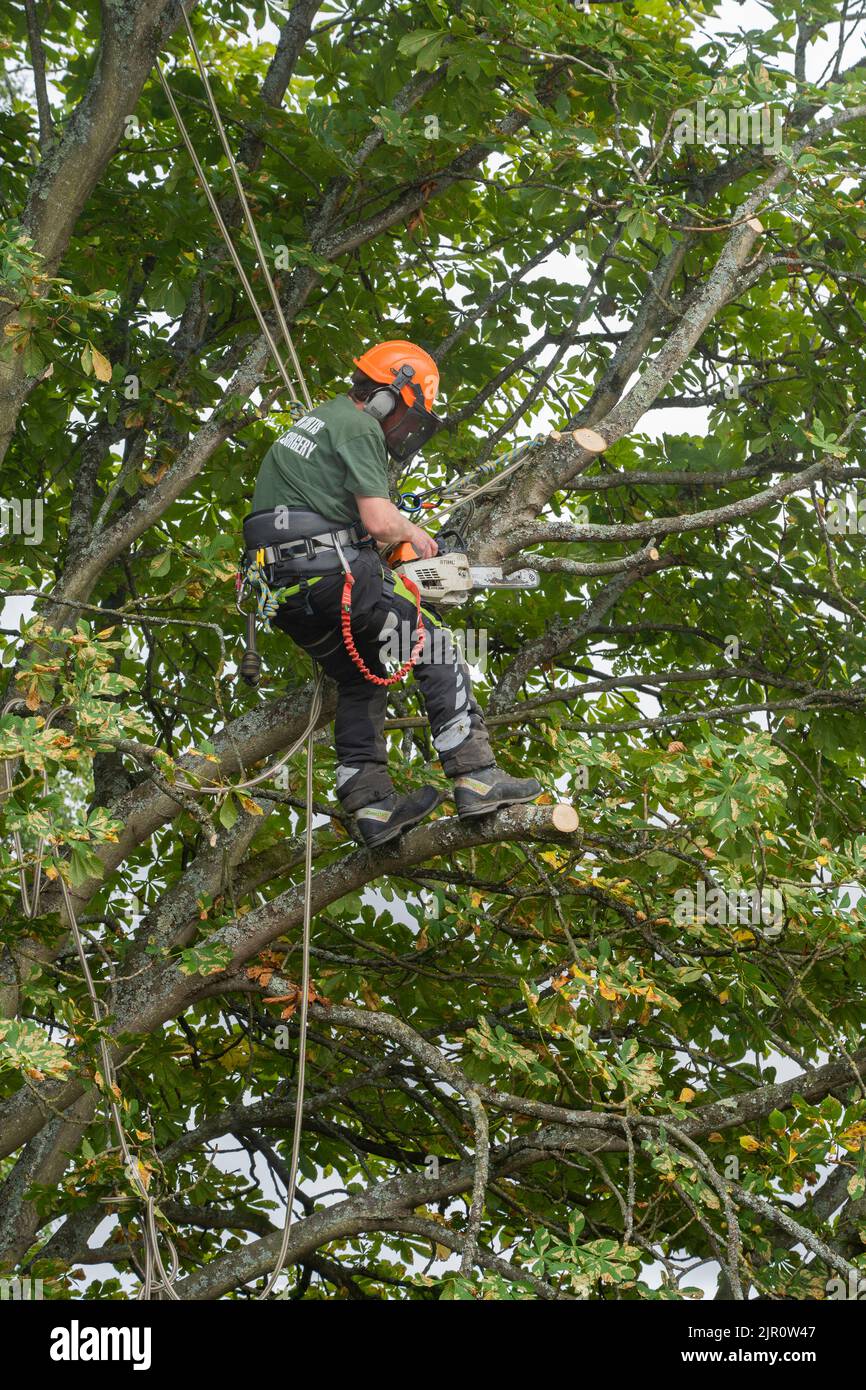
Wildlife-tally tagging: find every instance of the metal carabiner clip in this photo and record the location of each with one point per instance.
(240, 586)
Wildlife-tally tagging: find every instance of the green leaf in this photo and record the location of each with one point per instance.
(206, 959)
(25, 1047)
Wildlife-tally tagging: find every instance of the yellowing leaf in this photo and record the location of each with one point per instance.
(101, 365)
(749, 1143)
(370, 997)
(686, 1094)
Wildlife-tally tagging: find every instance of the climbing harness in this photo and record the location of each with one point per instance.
(257, 559)
(251, 578)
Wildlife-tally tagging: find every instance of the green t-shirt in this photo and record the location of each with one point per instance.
(323, 461)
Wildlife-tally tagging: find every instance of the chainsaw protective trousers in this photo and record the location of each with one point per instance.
(383, 619)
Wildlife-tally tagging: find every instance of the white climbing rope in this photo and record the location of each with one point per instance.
(316, 703)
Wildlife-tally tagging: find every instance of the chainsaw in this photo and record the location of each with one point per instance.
(448, 578)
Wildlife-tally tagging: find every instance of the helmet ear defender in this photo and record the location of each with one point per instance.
(381, 403)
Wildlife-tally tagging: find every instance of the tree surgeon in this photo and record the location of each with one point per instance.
(322, 497)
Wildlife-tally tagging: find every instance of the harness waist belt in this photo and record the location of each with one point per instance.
(293, 533)
(309, 546)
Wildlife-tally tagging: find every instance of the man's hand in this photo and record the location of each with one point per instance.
(423, 543)
(389, 526)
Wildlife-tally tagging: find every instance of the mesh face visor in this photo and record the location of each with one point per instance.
(410, 434)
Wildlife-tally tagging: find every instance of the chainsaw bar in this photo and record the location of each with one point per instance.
(491, 577)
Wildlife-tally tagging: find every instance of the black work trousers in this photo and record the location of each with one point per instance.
(383, 622)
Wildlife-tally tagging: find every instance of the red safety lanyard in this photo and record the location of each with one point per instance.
(349, 641)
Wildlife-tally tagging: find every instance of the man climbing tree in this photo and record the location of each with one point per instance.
(330, 471)
(619, 1060)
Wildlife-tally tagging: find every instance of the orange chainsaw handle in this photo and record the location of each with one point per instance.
(400, 553)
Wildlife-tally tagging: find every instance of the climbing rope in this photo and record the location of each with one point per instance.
(268, 600)
(248, 217)
(155, 1271)
(306, 935)
(131, 1163)
(226, 235)
(416, 501)
(265, 599)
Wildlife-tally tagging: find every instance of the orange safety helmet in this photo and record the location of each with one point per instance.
(383, 361)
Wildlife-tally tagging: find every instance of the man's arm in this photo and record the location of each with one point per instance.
(390, 526)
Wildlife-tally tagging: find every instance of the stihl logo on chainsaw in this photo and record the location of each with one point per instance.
(448, 578)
